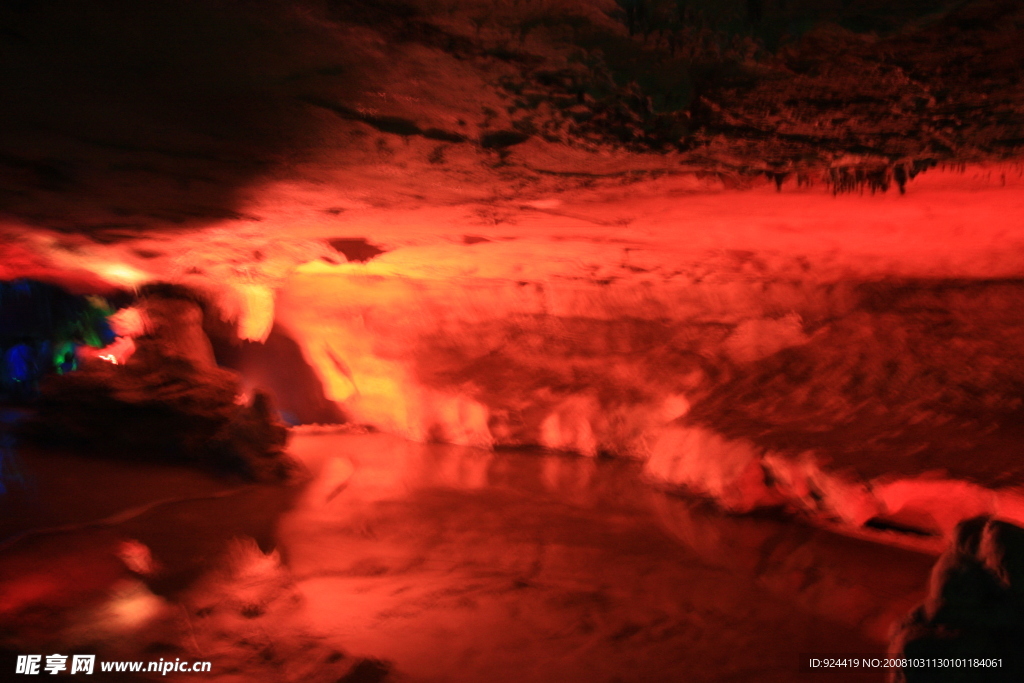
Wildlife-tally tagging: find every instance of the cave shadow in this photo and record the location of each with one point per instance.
(117, 116)
(278, 368)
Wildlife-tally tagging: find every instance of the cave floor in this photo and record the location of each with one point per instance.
(436, 563)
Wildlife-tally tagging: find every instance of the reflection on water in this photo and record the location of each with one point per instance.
(437, 563)
(462, 564)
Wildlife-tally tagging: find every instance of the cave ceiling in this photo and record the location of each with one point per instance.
(119, 120)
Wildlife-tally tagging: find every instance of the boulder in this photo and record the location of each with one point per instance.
(169, 402)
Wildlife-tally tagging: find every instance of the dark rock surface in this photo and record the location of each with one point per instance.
(974, 610)
(168, 402)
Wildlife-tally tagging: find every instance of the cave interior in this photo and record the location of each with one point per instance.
(512, 340)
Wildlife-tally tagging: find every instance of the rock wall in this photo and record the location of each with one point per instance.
(741, 379)
(168, 402)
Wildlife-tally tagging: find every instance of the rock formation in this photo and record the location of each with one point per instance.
(974, 610)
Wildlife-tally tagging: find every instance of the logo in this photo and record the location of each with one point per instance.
(55, 663)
